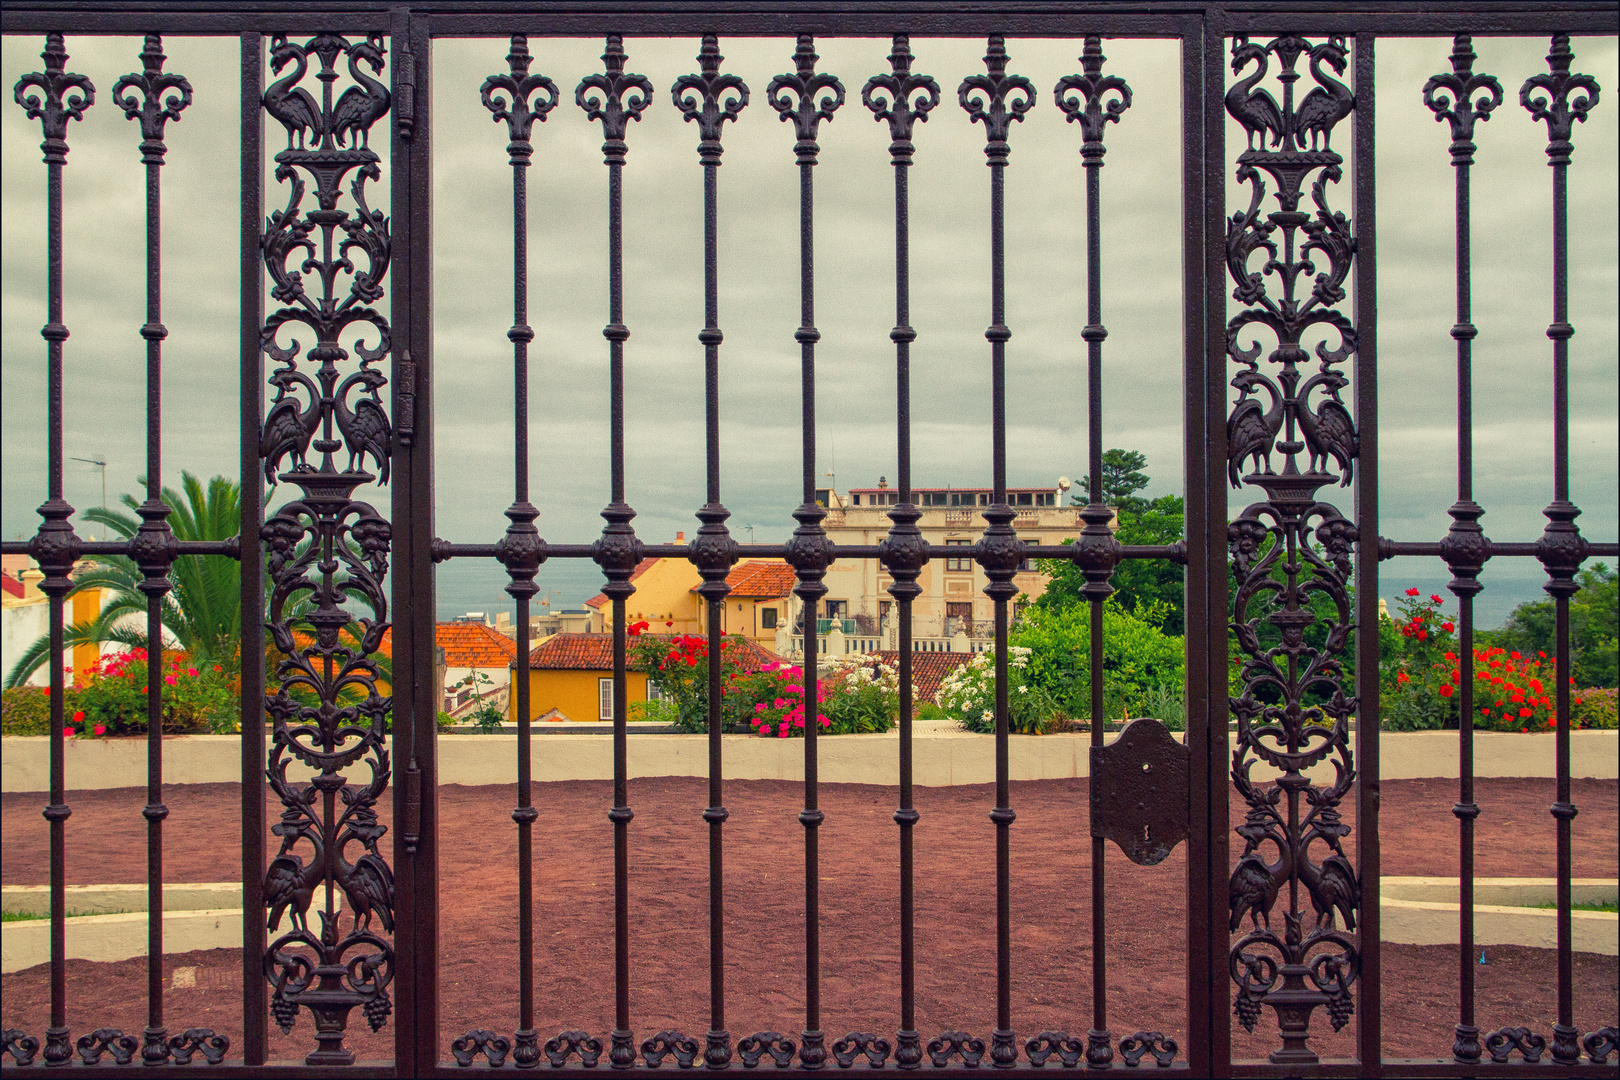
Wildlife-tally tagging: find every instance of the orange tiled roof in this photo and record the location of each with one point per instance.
(594, 652)
(474, 645)
(928, 669)
(756, 580)
(601, 598)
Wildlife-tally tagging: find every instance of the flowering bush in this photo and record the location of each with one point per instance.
(969, 694)
(111, 698)
(1422, 676)
(26, 710)
(858, 694)
(678, 666)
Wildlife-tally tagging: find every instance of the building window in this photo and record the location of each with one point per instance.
(958, 562)
(1046, 498)
(767, 618)
(604, 699)
(854, 499)
(962, 613)
(653, 693)
(963, 498)
(883, 609)
(837, 609)
(1023, 498)
(1032, 541)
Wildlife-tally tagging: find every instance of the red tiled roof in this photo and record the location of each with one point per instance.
(474, 645)
(756, 580)
(601, 598)
(594, 652)
(928, 669)
(13, 587)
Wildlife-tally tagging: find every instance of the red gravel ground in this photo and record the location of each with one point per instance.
(764, 925)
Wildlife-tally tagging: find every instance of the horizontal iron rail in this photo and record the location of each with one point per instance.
(486, 18)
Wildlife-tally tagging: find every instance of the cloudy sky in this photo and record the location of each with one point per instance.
(759, 295)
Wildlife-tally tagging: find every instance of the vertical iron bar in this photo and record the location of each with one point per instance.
(1209, 863)
(158, 97)
(615, 99)
(1369, 1009)
(1462, 97)
(986, 99)
(1195, 209)
(1095, 99)
(415, 731)
(63, 96)
(904, 99)
(528, 98)
(255, 1014)
(1561, 99)
(808, 550)
(712, 98)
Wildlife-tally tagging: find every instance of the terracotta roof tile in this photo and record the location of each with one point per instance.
(594, 652)
(756, 580)
(474, 645)
(928, 669)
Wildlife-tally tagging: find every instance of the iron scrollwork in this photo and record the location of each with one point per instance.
(325, 547)
(1291, 552)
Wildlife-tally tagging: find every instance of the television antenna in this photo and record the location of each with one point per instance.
(102, 465)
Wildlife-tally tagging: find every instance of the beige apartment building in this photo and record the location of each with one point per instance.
(953, 597)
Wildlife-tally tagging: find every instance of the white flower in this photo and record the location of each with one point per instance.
(1023, 689)
(988, 715)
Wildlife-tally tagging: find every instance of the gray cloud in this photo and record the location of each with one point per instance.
(759, 295)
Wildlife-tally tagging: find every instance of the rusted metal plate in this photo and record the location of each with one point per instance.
(1139, 792)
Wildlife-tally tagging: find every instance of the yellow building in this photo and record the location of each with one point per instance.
(571, 678)
(666, 598)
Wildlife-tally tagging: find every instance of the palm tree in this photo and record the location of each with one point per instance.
(202, 611)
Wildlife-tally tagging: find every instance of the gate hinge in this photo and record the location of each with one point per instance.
(405, 93)
(413, 808)
(405, 399)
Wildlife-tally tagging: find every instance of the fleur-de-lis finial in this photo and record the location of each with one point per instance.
(805, 97)
(995, 98)
(710, 98)
(59, 103)
(901, 98)
(1554, 103)
(161, 97)
(614, 98)
(512, 97)
(1094, 99)
(1462, 97)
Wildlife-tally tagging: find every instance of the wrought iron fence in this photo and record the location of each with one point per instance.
(332, 259)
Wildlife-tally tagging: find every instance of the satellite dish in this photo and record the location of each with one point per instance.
(1064, 483)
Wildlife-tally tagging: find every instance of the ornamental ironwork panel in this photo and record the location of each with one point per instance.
(326, 549)
(1297, 701)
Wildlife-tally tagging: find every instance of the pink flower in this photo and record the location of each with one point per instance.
(781, 703)
(101, 729)
(192, 672)
(170, 679)
(68, 732)
(760, 707)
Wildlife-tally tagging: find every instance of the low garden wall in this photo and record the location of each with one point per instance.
(943, 755)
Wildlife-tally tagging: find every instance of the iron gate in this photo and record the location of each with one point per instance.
(1298, 425)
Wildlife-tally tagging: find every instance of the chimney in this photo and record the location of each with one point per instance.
(680, 538)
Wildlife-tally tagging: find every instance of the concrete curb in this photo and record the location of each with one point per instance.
(1424, 911)
(943, 756)
(205, 916)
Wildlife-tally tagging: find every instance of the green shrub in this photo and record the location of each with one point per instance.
(1138, 659)
(26, 710)
(1595, 709)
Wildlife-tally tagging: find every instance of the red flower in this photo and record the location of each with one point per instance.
(1414, 592)
(1526, 712)
(1423, 635)
(1448, 627)
(1436, 599)
(1446, 690)
(78, 717)
(1403, 678)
